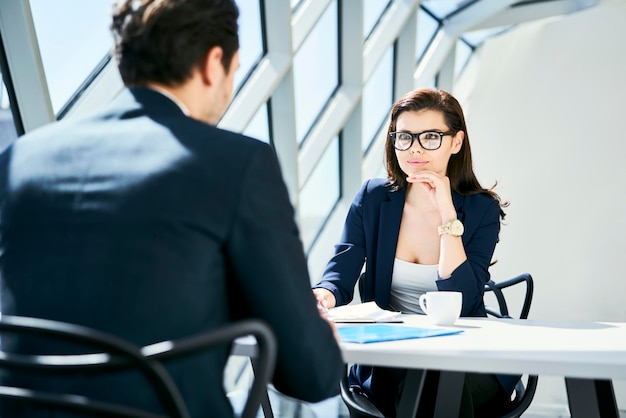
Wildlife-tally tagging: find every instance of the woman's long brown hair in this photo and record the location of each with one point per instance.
(459, 170)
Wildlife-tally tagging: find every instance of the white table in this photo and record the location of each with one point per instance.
(587, 354)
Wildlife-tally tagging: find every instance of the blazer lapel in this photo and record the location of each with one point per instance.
(389, 228)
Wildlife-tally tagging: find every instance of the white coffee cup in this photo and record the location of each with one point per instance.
(442, 308)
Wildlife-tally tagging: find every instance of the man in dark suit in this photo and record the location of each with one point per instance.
(148, 222)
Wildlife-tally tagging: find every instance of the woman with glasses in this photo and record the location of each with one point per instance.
(429, 226)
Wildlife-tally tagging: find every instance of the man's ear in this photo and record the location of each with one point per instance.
(457, 141)
(213, 70)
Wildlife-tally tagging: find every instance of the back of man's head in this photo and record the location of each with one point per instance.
(162, 41)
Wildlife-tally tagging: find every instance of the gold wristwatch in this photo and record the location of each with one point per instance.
(454, 228)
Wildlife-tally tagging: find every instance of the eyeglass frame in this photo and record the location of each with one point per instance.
(415, 136)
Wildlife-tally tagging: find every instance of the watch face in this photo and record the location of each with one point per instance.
(456, 228)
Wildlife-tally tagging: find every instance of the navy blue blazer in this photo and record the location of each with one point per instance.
(370, 237)
(151, 225)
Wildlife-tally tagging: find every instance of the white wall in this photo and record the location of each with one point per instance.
(546, 113)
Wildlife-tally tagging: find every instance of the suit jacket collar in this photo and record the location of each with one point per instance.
(389, 228)
(173, 98)
(135, 101)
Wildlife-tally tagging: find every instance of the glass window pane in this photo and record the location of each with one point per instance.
(315, 68)
(69, 59)
(443, 8)
(372, 11)
(426, 28)
(319, 194)
(259, 127)
(250, 39)
(8, 133)
(377, 98)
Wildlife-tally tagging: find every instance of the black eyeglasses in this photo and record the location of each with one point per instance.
(429, 140)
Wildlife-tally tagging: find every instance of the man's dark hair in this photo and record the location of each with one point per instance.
(164, 40)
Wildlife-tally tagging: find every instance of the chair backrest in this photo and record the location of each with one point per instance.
(115, 354)
(497, 289)
(264, 360)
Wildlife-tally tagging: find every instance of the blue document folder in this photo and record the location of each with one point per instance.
(384, 332)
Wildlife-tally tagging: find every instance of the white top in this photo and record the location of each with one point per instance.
(408, 282)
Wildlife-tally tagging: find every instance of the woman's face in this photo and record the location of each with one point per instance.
(416, 158)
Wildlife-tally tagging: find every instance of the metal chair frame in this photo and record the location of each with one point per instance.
(116, 354)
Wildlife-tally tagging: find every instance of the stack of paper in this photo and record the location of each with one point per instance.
(367, 312)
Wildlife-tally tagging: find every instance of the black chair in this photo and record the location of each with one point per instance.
(360, 406)
(114, 354)
(503, 308)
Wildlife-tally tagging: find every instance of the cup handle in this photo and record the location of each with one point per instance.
(422, 302)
